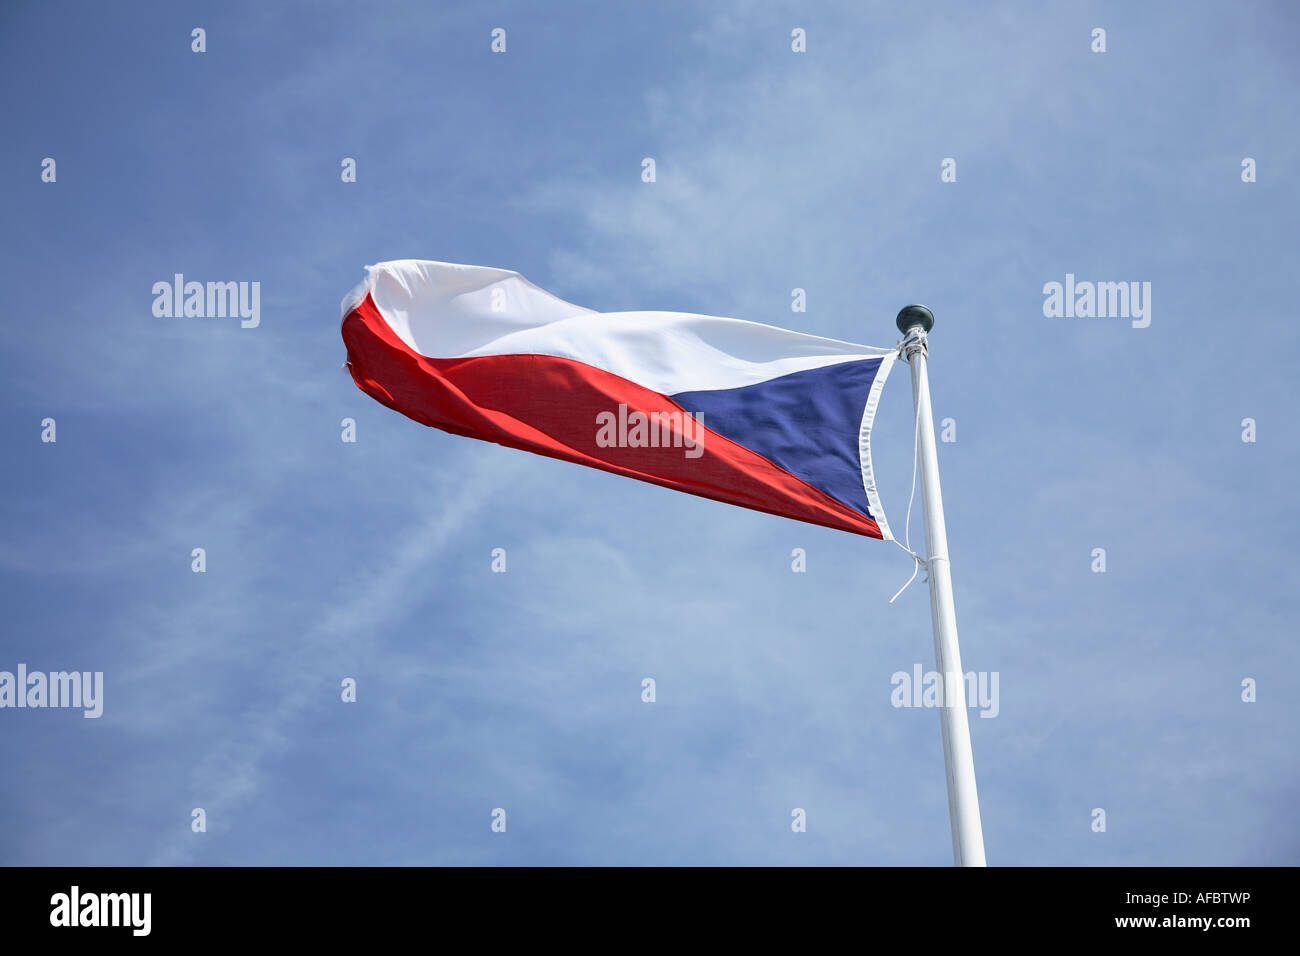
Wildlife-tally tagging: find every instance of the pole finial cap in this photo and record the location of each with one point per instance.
(913, 315)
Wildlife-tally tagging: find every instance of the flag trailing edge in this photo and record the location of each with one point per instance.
(737, 411)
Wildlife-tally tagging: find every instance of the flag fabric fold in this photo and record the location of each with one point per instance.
(737, 411)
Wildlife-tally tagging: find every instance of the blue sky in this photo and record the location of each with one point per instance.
(522, 690)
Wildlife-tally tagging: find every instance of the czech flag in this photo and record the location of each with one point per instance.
(740, 412)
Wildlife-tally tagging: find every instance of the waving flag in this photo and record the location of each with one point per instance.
(740, 412)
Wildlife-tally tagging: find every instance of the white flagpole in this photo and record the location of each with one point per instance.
(915, 322)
